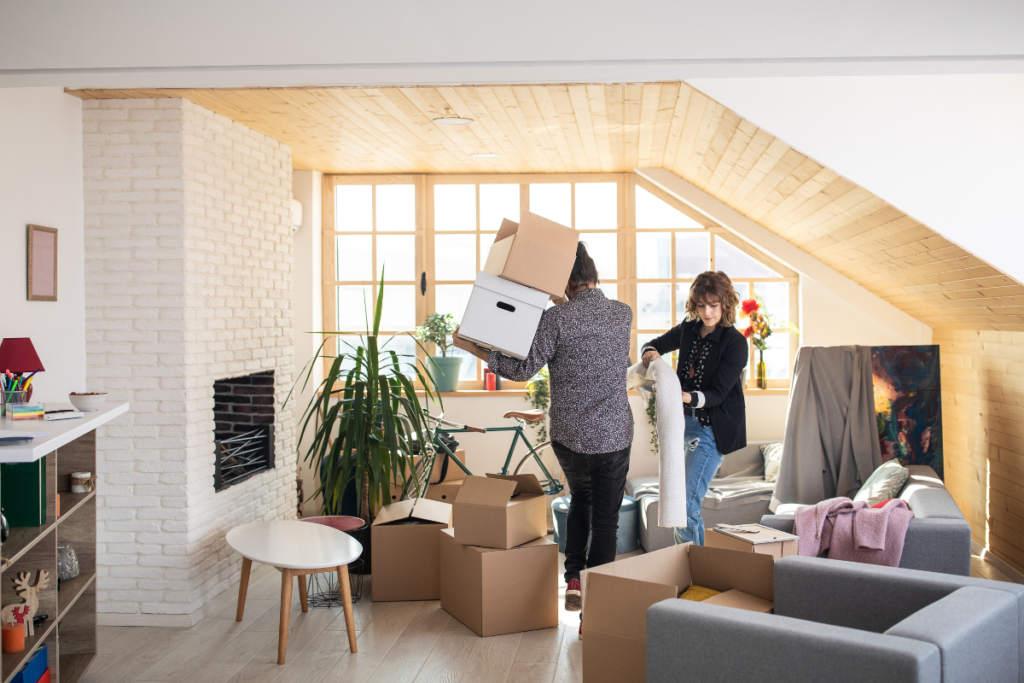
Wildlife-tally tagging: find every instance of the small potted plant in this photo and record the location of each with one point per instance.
(443, 369)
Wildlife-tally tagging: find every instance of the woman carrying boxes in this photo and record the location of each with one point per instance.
(584, 341)
(712, 355)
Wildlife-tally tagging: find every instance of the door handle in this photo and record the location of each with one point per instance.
(423, 283)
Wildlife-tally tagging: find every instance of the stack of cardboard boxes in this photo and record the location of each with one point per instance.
(496, 571)
(529, 261)
(499, 572)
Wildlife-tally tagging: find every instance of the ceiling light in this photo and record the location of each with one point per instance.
(453, 121)
(487, 155)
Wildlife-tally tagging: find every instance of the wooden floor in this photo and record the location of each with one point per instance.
(399, 642)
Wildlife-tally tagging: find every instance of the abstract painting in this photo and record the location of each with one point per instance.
(908, 404)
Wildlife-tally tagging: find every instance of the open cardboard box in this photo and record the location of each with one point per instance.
(499, 511)
(503, 315)
(616, 597)
(534, 252)
(494, 591)
(444, 492)
(406, 554)
(764, 540)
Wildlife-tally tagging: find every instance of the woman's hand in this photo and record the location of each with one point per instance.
(687, 398)
(466, 345)
(650, 356)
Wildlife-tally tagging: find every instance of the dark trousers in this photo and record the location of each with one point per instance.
(596, 483)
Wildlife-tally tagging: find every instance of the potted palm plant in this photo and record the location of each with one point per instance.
(444, 369)
(366, 423)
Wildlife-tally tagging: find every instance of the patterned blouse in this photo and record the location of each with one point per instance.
(585, 344)
(691, 382)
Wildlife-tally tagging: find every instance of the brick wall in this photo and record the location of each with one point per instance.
(188, 280)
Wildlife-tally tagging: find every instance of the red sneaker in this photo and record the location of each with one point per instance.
(573, 596)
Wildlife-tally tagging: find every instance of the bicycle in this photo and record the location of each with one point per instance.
(550, 483)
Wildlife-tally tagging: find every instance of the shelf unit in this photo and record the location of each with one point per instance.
(70, 631)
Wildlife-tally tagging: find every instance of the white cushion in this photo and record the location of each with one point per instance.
(884, 483)
(772, 453)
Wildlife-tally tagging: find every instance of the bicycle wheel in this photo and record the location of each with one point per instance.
(542, 462)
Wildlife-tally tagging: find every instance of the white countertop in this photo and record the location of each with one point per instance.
(60, 432)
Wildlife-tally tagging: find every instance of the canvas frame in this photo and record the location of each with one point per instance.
(37, 266)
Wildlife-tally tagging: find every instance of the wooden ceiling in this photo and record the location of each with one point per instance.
(601, 128)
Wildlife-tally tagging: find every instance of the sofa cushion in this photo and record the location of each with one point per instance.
(885, 482)
(772, 453)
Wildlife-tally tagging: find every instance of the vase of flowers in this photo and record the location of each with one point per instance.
(443, 369)
(760, 328)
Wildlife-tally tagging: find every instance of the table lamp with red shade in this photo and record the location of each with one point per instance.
(19, 357)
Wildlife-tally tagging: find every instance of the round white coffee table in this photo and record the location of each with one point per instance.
(296, 549)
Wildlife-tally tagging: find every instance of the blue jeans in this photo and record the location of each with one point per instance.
(702, 462)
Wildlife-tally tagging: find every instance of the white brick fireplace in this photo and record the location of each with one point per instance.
(188, 281)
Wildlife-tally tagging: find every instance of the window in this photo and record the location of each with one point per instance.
(431, 235)
(371, 231)
(673, 247)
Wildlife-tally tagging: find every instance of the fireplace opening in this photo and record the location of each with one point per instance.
(243, 432)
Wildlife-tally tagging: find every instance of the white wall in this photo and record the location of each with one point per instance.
(945, 149)
(306, 187)
(41, 184)
(253, 42)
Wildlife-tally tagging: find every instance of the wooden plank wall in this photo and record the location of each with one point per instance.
(983, 434)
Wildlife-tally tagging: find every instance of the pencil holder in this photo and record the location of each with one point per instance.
(11, 398)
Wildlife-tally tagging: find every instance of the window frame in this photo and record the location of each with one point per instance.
(626, 273)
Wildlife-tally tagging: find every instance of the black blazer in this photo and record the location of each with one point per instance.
(722, 384)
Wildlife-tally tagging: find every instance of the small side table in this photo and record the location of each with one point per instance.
(296, 549)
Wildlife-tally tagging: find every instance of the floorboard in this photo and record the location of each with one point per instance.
(399, 642)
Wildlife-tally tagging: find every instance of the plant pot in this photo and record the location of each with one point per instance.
(444, 370)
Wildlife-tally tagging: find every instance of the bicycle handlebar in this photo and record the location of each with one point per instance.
(456, 425)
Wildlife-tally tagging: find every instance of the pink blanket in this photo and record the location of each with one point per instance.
(853, 531)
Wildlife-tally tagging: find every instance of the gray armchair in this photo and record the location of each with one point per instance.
(841, 621)
(938, 538)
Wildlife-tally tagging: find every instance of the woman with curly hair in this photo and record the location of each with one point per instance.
(712, 355)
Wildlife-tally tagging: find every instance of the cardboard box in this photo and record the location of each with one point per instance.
(406, 555)
(454, 472)
(495, 591)
(616, 597)
(535, 252)
(445, 492)
(740, 600)
(500, 512)
(502, 315)
(766, 541)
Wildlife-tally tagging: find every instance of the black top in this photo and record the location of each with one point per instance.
(585, 344)
(718, 387)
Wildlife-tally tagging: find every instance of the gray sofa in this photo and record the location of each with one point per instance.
(841, 621)
(938, 538)
(737, 495)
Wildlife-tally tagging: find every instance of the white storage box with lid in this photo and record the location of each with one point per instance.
(502, 315)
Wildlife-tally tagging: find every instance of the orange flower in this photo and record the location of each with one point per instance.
(750, 306)
(747, 332)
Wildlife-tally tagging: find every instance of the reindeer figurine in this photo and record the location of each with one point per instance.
(22, 614)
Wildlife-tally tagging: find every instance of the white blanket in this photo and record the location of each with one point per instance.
(668, 409)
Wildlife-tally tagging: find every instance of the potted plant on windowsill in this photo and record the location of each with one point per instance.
(443, 369)
(366, 423)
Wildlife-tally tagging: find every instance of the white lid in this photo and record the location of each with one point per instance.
(527, 295)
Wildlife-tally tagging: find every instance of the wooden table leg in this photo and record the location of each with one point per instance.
(243, 588)
(346, 601)
(303, 598)
(287, 578)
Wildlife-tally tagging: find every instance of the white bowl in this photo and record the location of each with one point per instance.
(87, 403)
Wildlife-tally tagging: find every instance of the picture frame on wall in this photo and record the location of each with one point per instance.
(42, 263)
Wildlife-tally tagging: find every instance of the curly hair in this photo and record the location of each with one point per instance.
(709, 287)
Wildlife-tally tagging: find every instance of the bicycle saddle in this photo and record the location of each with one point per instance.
(530, 416)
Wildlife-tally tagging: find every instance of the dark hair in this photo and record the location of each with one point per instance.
(584, 272)
(709, 287)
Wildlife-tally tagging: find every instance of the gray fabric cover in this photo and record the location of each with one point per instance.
(974, 629)
(832, 438)
(738, 495)
(695, 642)
(872, 598)
(938, 538)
